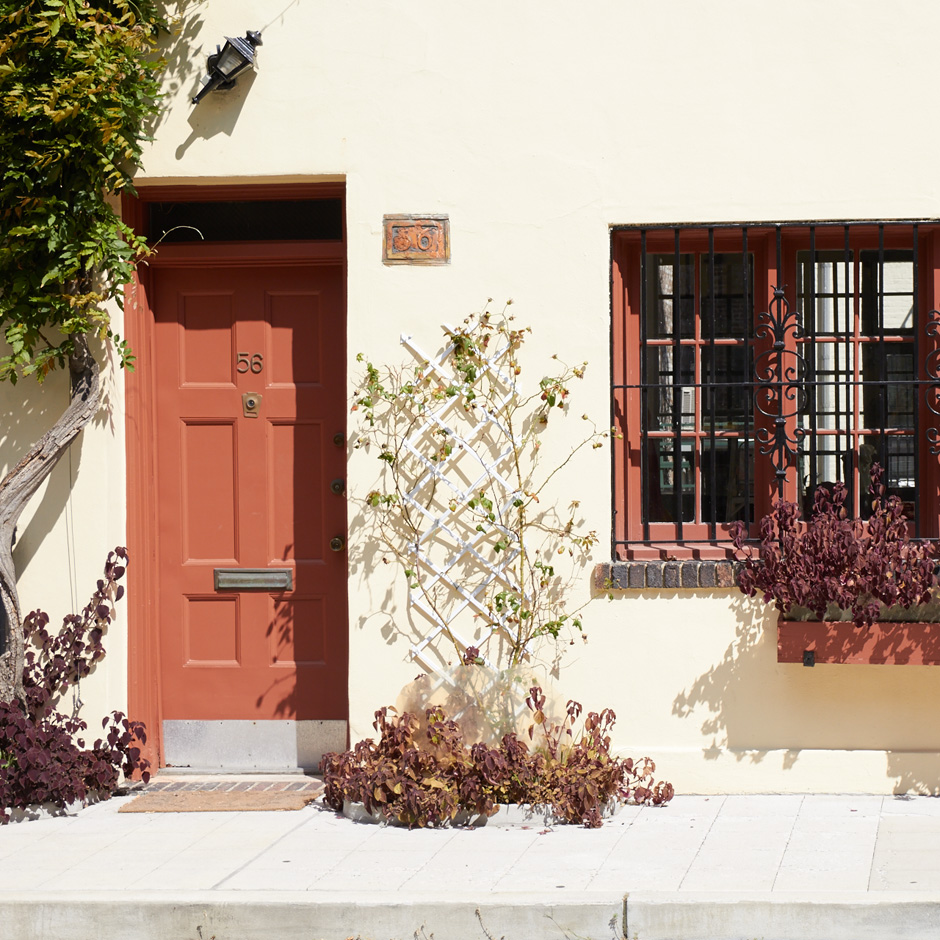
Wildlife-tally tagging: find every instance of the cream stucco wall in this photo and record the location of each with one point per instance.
(536, 126)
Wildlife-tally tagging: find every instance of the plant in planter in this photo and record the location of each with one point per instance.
(462, 505)
(421, 773)
(836, 568)
(41, 758)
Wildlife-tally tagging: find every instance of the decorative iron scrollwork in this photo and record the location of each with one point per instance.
(779, 391)
(932, 388)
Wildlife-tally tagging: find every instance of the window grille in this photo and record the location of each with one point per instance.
(759, 362)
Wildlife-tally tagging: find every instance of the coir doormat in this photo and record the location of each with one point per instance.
(217, 800)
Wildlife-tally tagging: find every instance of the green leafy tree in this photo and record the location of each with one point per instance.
(78, 86)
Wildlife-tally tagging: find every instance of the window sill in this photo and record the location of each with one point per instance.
(670, 575)
(897, 644)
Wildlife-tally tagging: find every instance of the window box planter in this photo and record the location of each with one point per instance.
(840, 641)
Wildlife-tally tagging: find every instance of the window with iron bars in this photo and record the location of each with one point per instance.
(762, 361)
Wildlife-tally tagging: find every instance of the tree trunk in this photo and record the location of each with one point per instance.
(17, 488)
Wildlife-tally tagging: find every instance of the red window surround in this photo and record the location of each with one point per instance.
(728, 394)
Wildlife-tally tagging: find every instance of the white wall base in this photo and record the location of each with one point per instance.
(797, 770)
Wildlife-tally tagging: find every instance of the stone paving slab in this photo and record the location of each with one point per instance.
(715, 868)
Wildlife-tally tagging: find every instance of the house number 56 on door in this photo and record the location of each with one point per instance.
(249, 363)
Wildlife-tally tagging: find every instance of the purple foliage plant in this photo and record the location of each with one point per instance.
(43, 758)
(861, 566)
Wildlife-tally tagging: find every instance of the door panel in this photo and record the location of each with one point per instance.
(239, 491)
(206, 339)
(208, 454)
(289, 444)
(210, 626)
(294, 340)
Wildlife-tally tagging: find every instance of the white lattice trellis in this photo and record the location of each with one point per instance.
(480, 455)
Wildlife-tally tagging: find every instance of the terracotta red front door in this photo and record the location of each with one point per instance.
(250, 459)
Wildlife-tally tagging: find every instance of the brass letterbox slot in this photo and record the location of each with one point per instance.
(254, 579)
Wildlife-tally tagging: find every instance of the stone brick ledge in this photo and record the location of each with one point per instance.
(639, 575)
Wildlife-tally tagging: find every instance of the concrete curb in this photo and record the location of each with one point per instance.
(290, 915)
(782, 916)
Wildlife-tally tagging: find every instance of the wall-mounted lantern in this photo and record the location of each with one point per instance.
(227, 63)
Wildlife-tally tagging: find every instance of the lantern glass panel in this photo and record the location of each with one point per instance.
(230, 61)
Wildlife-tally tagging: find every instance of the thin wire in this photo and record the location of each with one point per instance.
(279, 15)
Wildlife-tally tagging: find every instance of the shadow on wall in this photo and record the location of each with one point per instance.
(734, 692)
(916, 773)
(216, 114)
(390, 615)
(398, 618)
(186, 50)
(367, 556)
(756, 708)
(183, 60)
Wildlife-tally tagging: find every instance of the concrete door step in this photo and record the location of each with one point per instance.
(230, 783)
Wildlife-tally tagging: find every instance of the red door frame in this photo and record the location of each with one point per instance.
(143, 687)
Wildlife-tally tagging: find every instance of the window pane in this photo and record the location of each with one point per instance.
(728, 488)
(831, 457)
(897, 295)
(670, 306)
(895, 453)
(831, 399)
(663, 396)
(833, 315)
(263, 220)
(726, 371)
(727, 476)
(733, 310)
(664, 480)
(888, 395)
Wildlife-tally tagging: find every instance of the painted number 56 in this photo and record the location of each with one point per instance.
(246, 363)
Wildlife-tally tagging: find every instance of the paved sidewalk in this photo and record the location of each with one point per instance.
(702, 868)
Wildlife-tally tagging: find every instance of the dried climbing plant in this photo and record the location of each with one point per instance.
(462, 504)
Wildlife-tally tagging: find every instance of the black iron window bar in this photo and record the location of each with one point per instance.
(798, 401)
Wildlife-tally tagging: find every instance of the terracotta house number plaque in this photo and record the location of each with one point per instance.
(416, 239)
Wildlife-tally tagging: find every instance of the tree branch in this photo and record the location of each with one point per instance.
(17, 488)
